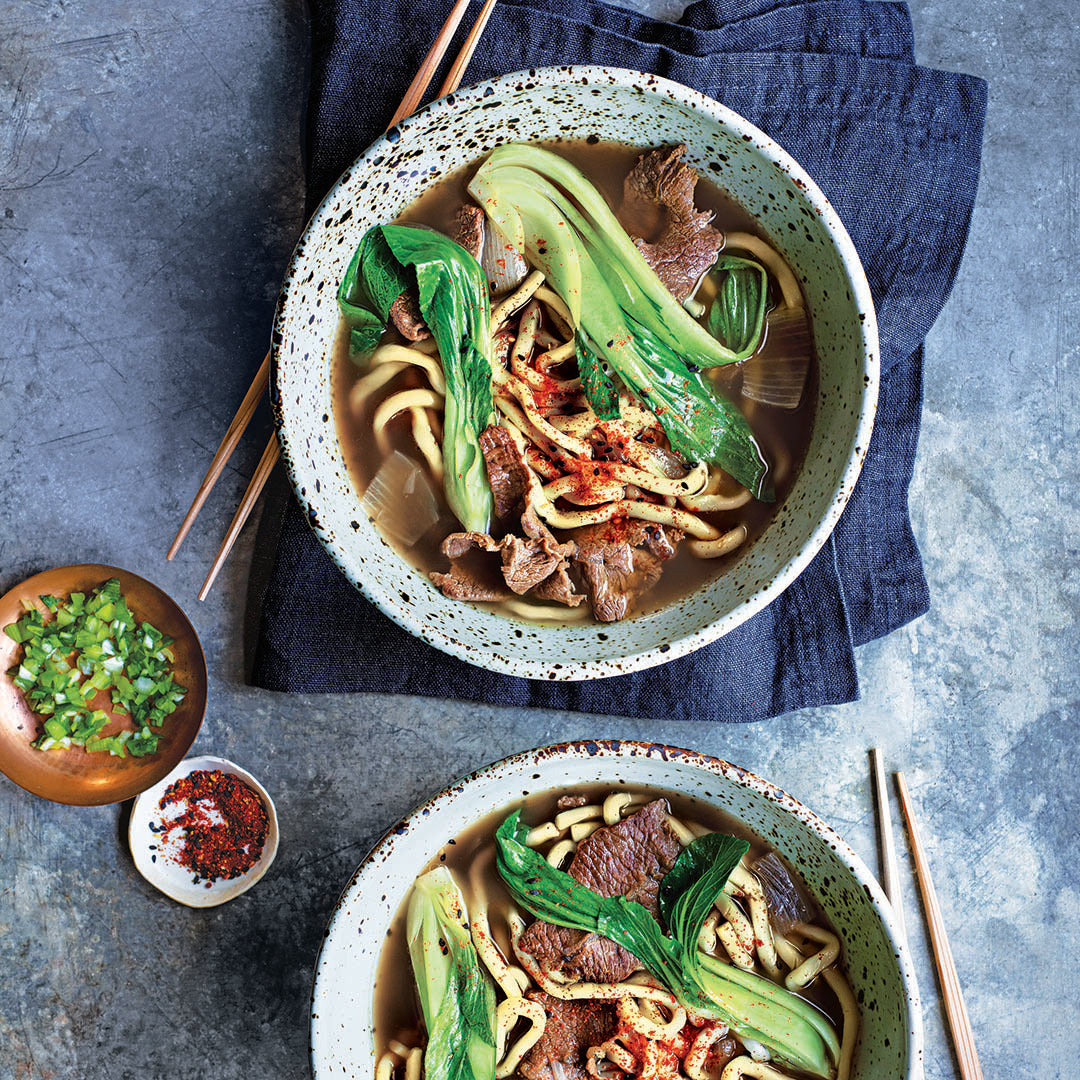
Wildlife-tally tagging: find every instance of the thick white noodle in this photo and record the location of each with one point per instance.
(541, 834)
(686, 837)
(814, 965)
(789, 287)
(414, 355)
(565, 818)
(634, 1018)
(582, 829)
(743, 880)
(560, 313)
(697, 1055)
(424, 437)
(518, 298)
(560, 852)
(526, 609)
(506, 1017)
(614, 805)
(724, 545)
(736, 934)
(388, 409)
(748, 1067)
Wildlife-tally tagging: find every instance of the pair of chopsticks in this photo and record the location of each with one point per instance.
(955, 1010)
(240, 421)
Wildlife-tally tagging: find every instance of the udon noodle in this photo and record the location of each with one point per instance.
(633, 1027)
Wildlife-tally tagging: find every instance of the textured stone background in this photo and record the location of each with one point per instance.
(149, 198)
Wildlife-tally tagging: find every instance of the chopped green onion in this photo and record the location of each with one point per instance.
(91, 646)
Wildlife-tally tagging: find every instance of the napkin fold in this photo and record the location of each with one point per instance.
(894, 146)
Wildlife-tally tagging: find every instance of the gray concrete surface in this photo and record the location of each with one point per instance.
(150, 194)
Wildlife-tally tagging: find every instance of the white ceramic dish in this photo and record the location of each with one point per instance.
(560, 103)
(152, 856)
(878, 965)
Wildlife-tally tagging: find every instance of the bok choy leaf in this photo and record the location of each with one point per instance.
(737, 316)
(752, 1006)
(624, 315)
(457, 997)
(454, 302)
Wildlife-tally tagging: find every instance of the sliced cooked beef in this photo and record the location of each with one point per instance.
(559, 588)
(457, 545)
(506, 468)
(620, 560)
(677, 240)
(405, 315)
(628, 859)
(470, 229)
(571, 802)
(612, 587)
(572, 1028)
(405, 310)
(460, 584)
(527, 564)
(556, 585)
(471, 576)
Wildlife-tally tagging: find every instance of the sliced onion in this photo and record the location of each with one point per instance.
(504, 267)
(400, 499)
(777, 374)
(783, 897)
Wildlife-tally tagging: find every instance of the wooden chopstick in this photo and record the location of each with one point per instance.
(247, 503)
(430, 62)
(239, 424)
(955, 1010)
(890, 877)
(457, 70)
(262, 378)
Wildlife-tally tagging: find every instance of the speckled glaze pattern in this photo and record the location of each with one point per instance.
(877, 960)
(576, 103)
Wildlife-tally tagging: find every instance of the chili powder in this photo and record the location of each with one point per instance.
(224, 824)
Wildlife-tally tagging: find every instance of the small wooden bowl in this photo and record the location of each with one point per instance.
(74, 776)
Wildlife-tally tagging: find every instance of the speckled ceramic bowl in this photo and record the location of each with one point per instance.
(878, 965)
(620, 106)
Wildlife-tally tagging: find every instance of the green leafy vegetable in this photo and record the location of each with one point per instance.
(89, 646)
(454, 302)
(750, 1005)
(693, 883)
(737, 315)
(624, 314)
(457, 996)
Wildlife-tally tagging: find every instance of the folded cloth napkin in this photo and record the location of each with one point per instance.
(894, 146)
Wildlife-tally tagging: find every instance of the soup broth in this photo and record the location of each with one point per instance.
(783, 433)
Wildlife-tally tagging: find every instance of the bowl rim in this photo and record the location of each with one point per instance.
(493, 655)
(636, 748)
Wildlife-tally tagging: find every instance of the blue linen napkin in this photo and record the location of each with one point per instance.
(894, 146)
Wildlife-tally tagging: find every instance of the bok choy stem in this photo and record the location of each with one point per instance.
(457, 997)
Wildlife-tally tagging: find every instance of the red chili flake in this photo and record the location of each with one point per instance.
(223, 823)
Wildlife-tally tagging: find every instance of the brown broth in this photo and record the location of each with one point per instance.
(397, 1009)
(781, 432)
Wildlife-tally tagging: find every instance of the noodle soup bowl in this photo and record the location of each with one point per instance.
(616, 106)
(349, 979)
